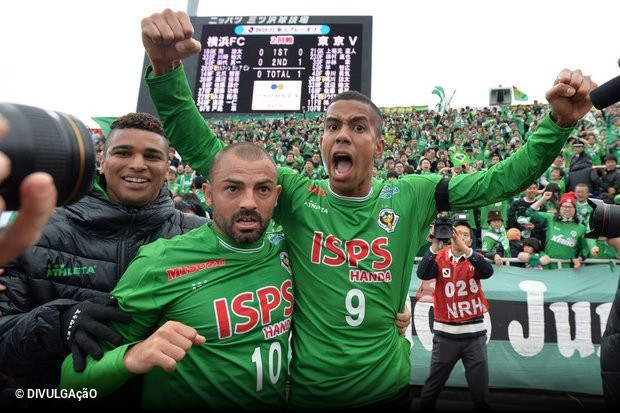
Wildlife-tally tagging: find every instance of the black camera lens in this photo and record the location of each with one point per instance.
(44, 141)
(605, 219)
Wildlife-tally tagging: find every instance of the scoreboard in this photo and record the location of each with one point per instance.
(262, 64)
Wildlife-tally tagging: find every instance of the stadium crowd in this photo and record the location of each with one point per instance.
(459, 141)
(92, 282)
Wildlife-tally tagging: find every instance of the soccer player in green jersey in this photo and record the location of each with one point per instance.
(352, 239)
(219, 299)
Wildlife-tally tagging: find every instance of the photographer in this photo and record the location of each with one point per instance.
(38, 199)
(459, 331)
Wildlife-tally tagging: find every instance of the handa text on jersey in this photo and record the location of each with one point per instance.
(253, 308)
(362, 276)
(332, 251)
(277, 329)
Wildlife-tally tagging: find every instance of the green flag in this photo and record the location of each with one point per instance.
(459, 158)
(104, 122)
(519, 95)
(439, 92)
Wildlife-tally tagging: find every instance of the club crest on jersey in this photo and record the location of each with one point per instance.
(573, 233)
(445, 272)
(388, 219)
(285, 263)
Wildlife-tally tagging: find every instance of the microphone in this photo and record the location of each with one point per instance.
(606, 94)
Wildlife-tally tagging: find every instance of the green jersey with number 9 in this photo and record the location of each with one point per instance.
(353, 257)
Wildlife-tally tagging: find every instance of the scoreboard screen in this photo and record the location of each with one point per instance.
(262, 64)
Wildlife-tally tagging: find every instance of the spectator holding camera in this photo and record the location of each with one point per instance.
(459, 307)
(56, 297)
(565, 235)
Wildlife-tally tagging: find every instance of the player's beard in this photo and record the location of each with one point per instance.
(227, 226)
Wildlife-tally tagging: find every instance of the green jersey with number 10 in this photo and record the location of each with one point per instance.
(239, 297)
(353, 257)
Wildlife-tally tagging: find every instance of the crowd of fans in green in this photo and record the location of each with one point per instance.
(458, 141)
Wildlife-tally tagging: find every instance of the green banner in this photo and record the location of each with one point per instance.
(105, 122)
(543, 328)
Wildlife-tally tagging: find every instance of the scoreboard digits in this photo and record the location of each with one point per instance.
(245, 68)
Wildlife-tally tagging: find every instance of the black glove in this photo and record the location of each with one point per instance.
(83, 324)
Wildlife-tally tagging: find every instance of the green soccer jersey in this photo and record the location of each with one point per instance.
(584, 210)
(239, 297)
(173, 188)
(184, 183)
(353, 257)
(493, 239)
(564, 239)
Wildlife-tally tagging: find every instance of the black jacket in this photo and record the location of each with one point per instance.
(610, 357)
(579, 172)
(84, 250)
(517, 209)
(605, 180)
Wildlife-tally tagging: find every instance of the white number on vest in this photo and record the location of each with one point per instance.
(357, 311)
(275, 364)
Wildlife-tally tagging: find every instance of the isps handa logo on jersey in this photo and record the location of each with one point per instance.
(388, 219)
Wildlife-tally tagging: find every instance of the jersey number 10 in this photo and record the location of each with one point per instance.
(275, 364)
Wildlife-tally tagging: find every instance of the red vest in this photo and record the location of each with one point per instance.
(458, 293)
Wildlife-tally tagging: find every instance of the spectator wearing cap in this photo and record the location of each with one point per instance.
(606, 181)
(580, 168)
(495, 244)
(531, 254)
(565, 235)
(501, 206)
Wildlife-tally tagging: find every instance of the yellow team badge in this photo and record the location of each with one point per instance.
(388, 220)
(286, 264)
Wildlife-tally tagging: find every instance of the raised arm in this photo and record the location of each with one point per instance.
(167, 39)
(569, 99)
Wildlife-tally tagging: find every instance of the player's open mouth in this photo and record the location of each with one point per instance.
(247, 223)
(342, 165)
